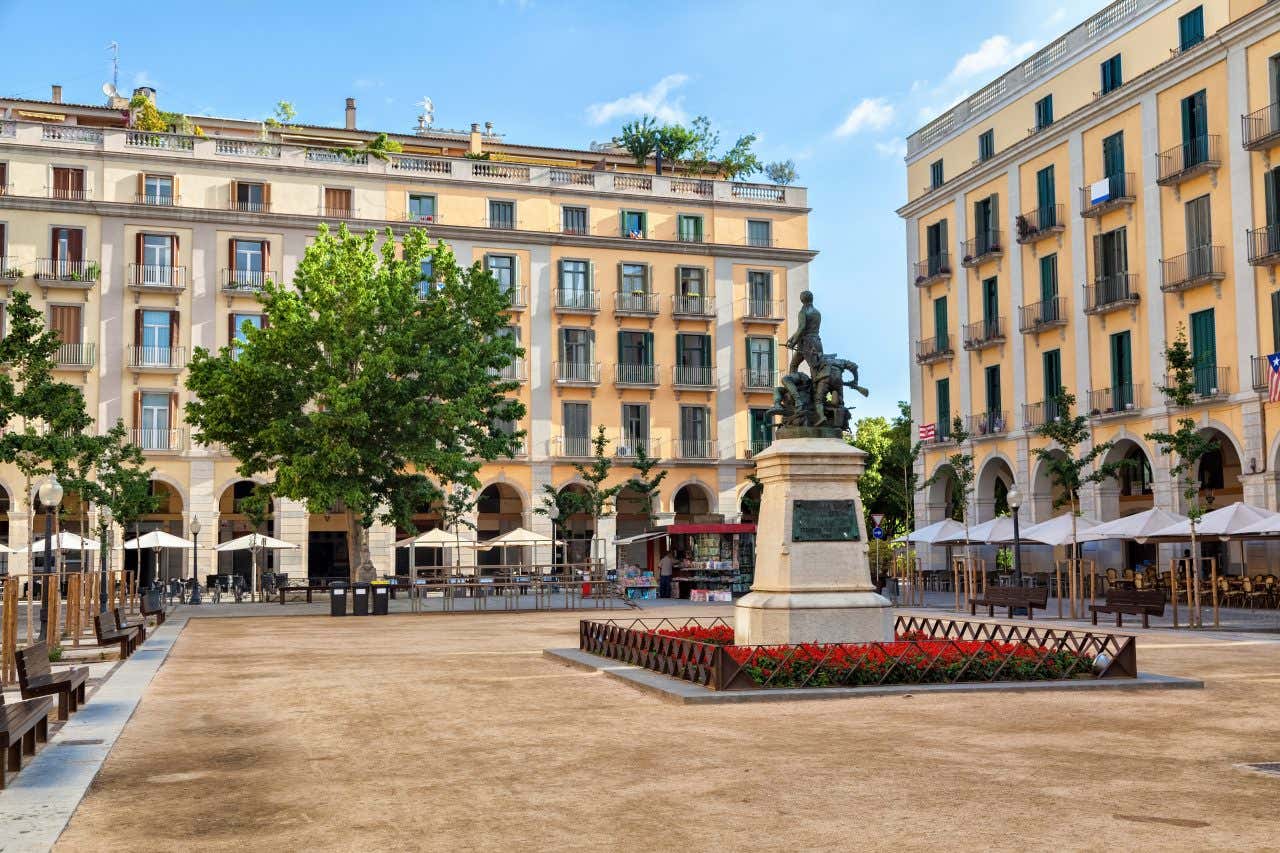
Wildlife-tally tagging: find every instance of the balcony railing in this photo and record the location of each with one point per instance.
(76, 355)
(422, 165)
(1038, 414)
(755, 379)
(148, 276)
(10, 270)
(1201, 264)
(513, 372)
(1264, 245)
(935, 348)
(1261, 127)
(990, 423)
(331, 157)
(696, 448)
(577, 372)
(159, 141)
(572, 177)
(1039, 316)
(985, 247)
(693, 306)
(644, 183)
(1110, 293)
(246, 281)
(1193, 157)
(1260, 367)
(500, 171)
(1211, 381)
(635, 304)
(762, 310)
(933, 268)
(249, 206)
(1040, 223)
(984, 333)
(157, 200)
(1117, 400)
(71, 133)
(629, 447)
(690, 237)
(66, 194)
(157, 358)
(760, 192)
(572, 447)
(1107, 194)
(635, 374)
(519, 297)
(690, 186)
(577, 300)
(247, 148)
(158, 440)
(71, 272)
(331, 212)
(693, 377)
(753, 448)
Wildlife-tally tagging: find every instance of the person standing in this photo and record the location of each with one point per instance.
(664, 575)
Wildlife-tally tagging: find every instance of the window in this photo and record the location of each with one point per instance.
(1195, 130)
(577, 428)
(237, 334)
(67, 250)
(634, 224)
(1199, 236)
(1110, 265)
(695, 433)
(422, 208)
(761, 429)
(990, 308)
(4, 179)
(1191, 29)
(940, 332)
(155, 338)
(154, 424)
(1204, 352)
(994, 404)
(248, 263)
(502, 214)
(935, 241)
(759, 232)
(986, 145)
(759, 293)
(1051, 361)
(1121, 372)
(155, 260)
(1113, 155)
(1111, 76)
(942, 404)
(427, 266)
(760, 361)
(337, 203)
(689, 229)
(1046, 198)
(691, 294)
(68, 183)
(65, 322)
(1044, 112)
(250, 197)
(1275, 321)
(575, 285)
(573, 220)
(577, 348)
(157, 190)
(635, 358)
(634, 279)
(503, 268)
(635, 429)
(986, 217)
(693, 359)
(935, 174)
(1049, 288)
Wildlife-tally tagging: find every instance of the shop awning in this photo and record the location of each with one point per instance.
(640, 537)
(673, 529)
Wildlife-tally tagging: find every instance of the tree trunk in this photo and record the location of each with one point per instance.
(1194, 616)
(362, 568)
(1075, 558)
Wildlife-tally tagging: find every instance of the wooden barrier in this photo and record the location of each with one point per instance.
(9, 634)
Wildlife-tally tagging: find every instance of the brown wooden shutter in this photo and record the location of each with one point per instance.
(137, 410)
(266, 258)
(231, 328)
(77, 181)
(176, 194)
(231, 254)
(76, 245)
(137, 327)
(173, 408)
(142, 185)
(235, 195)
(266, 196)
(3, 242)
(265, 324)
(139, 254)
(53, 243)
(174, 319)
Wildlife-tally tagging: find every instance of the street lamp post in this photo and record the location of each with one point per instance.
(104, 552)
(195, 563)
(553, 513)
(1014, 499)
(51, 497)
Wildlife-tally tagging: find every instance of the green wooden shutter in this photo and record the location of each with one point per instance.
(621, 348)
(1045, 196)
(993, 390)
(706, 350)
(942, 237)
(773, 355)
(940, 320)
(990, 302)
(622, 223)
(1204, 350)
(648, 349)
(942, 393)
(1048, 278)
(1275, 321)
(1269, 190)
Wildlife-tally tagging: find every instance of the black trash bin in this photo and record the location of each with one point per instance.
(381, 595)
(338, 598)
(360, 599)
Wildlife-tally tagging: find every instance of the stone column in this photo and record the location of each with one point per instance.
(382, 543)
(292, 524)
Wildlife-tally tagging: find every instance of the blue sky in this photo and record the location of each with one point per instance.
(834, 86)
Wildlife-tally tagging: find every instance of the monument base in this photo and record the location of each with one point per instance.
(776, 618)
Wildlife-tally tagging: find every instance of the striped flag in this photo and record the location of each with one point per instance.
(928, 432)
(1273, 377)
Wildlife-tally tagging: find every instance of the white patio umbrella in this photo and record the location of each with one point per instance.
(252, 542)
(1138, 526)
(519, 537)
(1269, 526)
(63, 541)
(935, 533)
(157, 539)
(1225, 523)
(1057, 531)
(438, 537)
(996, 530)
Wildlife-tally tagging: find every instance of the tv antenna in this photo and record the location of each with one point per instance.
(428, 115)
(114, 47)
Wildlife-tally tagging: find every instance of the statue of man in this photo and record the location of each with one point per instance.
(805, 341)
(831, 381)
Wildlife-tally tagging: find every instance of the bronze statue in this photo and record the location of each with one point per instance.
(815, 399)
(805, 340)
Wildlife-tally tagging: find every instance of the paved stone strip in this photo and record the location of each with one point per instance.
(39, 801)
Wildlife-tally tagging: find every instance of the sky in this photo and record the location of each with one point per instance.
(836, 87)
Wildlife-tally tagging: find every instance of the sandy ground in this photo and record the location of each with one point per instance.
(453, 733)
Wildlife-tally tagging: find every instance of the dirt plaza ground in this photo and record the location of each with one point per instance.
(452, 732)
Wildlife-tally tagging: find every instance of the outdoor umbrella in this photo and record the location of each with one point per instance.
(1269, 526)
(1057, 531)
(61, 542)
(935, 533)
(438, 537)
(996, 530)
(157, 539)
(1138, 526)
(518, 537)
(1225, 523)
(252, 542)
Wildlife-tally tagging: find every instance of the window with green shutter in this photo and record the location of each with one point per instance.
(634, 224)
(940, 322)
(994, 403)
(986, 145)
(1191, 28)
(935, 174)
(1121, 371)
(1046, 198)
(1049, 288)
(1044, 112)
(689, 228)
(1052, 363)
(1275, 321)
(1112, 78)
(1113, 157)
(942, 400)
(1204, 352)
(1195, 129)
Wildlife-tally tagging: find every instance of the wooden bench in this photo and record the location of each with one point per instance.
(158, 613)
(107, 636)
(1011, 597)
(22, 725)
(123, 625)
(1134, 602)
(35, 679)
(308, 589)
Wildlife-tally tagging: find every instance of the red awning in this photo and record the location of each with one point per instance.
(709, 528)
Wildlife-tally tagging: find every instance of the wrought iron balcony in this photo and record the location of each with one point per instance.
(157, 200)
(687, 376)
(1035, 225)
(1113, 191)
(67, 194)
(157, 358)
(754, 380)
(1260, 367)
(984, 333)
(519, 298)
(10, 269)
(249, 206)
(985, 247)
(645, 375)
(1039, 316)
(935, 348)
(1038, 414)
(933, 268)
(988, 424)
(245, 281)
(1125, 399)
(153, 440)
(157, 277)
(762, 311)
(1111, 293)
(76, 273)
(698, 307)
(1264, 246)
(1193, 157)
(635, 304)
(1200, 265)
(753, 448)
(696, 448)
(76, 356)
(1211, 382)
(577, 372)
(513, 372)
(1261, 128)
(571, 301)
(629, 447)
(572, 447)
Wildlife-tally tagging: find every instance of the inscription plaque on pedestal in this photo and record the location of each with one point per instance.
(824, 521)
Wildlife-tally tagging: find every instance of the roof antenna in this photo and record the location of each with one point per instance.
(114, 47)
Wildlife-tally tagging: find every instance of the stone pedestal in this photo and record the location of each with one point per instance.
(811, 584)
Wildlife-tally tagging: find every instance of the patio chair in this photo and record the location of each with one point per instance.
(1251, 593)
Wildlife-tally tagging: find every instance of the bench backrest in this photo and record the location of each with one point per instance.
(1135, 598)
(1004, 594)
(33, 661)
(115, 614)
(1038, 595)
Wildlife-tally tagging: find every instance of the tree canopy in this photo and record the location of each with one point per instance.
(368, 382)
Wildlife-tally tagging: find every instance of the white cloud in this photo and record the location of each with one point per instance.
(143, 78)
(995, 54)
(868, 114)
(893, 149)
(657, 102)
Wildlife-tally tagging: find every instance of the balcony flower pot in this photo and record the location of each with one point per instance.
(919, 279)
(13, 274)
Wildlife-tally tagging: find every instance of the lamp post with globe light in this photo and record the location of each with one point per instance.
(51, 498)
(195, 564)
(1014, 499)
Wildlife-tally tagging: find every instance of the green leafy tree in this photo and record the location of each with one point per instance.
(740, 161)
(362, 387)
(593, 497)
(380, 147)
(888, 484)
(781, 172)
(703, 148)
(675, 142)
(456, 513)
(283, 114)
(122, 484)
(960, 469)
(1068, 472)
(645, 483)
(1186, 445)
(640, 139)
(146, 116)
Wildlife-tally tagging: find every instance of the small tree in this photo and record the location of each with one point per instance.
(740, 161)
(962, 473)
(283, 114)
(593, 497)
(644, 482)
(455, 512)
(1068, 472)
(781, 172)
(640, 139)
(122, 484)
(1186, 445)
(675, 143)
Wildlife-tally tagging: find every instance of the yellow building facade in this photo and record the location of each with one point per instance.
(654, 305)
(1066, 220)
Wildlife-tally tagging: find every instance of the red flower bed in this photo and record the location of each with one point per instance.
(912, 659)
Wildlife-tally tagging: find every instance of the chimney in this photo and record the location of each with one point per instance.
(57, 94)
(146, 92)
(351, 113)
(476, 147)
